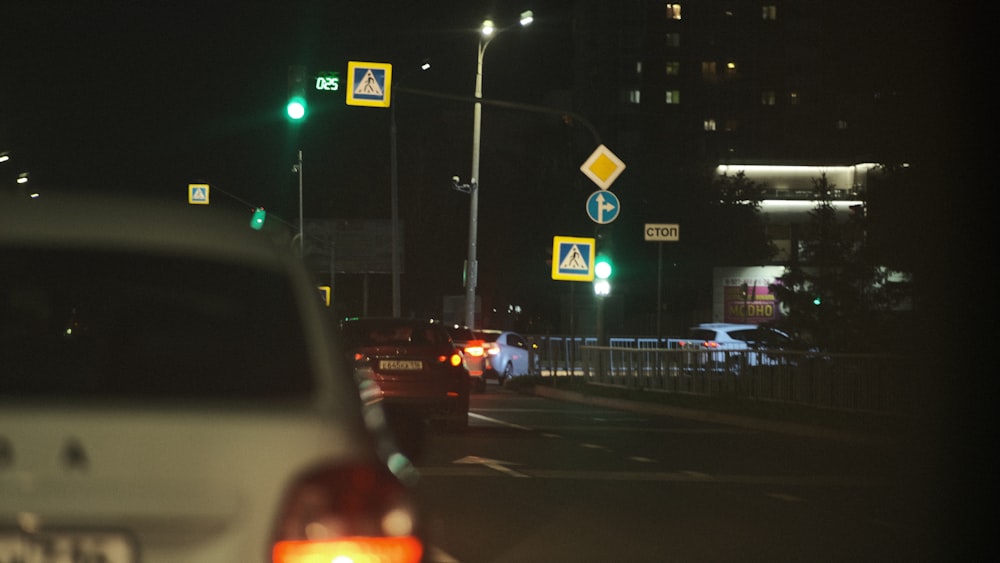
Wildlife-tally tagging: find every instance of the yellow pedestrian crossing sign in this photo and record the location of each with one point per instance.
(573, 258)
(368, 84)
(198, 194)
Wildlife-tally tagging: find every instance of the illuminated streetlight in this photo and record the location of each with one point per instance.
(488, 32)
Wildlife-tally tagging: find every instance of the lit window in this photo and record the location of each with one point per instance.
(673, 11)
(673, 39)
(632, 96)
(709, 125)
(708, 68)
(841, 124)
(638, 68)
(673, 97)
(767, 98)
(793, 98)
(673, 68)
(770, 12)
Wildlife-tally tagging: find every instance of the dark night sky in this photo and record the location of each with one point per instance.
(144, 96)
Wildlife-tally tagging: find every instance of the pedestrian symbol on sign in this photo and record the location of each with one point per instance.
(574, 260)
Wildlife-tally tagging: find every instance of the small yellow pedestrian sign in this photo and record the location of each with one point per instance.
(368, 84)
(573, 258)
(603, 167)
(324, 294)
(198, 194)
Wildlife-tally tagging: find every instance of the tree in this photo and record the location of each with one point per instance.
(737, 228)
(836, 293)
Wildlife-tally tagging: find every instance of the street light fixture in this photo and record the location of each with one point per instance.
(488, 32)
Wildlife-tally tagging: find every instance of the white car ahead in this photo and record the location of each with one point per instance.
(508, 352)
(171, 393)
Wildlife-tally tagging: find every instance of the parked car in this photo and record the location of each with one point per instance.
(509, 353)
(414, 364)
(173, 391)
(477, 362)
(763, 344)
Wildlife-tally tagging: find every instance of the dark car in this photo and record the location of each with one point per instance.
(414, 364)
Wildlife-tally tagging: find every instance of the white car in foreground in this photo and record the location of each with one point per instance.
(171, 393)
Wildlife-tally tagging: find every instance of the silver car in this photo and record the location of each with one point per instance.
(508, 352)
(170, 393)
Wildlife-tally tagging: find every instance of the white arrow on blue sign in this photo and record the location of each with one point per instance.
(603, 207)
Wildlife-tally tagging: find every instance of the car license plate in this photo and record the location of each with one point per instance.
(67, 547)
(401, 364)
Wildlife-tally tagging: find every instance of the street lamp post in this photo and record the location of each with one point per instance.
(487, 32)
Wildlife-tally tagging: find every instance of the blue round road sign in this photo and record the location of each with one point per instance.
(603, 207)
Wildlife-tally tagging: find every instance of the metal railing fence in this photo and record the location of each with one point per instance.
(865, 382)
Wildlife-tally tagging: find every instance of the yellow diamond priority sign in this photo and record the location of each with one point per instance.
(603, 167)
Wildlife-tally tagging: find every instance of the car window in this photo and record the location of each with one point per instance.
(701, 334)
(487, 336)
(461, 334)
(388, 333)
(79, 323)
(745, 335)
(515, 340)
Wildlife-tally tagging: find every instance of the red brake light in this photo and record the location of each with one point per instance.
(354, 513)
(475, 348)
(348, 549)
(711, 344)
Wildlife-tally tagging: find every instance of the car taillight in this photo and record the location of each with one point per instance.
(354, 513)
(454, 360)
(492, 349)
(710, 344)
(474, 349)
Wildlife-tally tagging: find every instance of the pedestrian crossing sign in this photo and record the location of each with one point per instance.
(198, 194)
(369, 84)
(573, 258)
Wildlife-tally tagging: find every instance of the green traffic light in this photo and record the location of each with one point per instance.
(296, 109)
(602, 267)
(257, 220)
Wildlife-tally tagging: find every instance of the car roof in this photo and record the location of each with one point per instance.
(726, 326)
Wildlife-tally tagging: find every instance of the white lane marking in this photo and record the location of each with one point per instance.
(494, 464)
(641, 459)
(657, 476)
(437, 555)
(498, 421)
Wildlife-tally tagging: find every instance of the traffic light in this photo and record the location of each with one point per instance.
(602, 275)
(257, 220)
(297, 106)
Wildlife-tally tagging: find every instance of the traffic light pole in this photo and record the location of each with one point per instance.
(298, 168)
